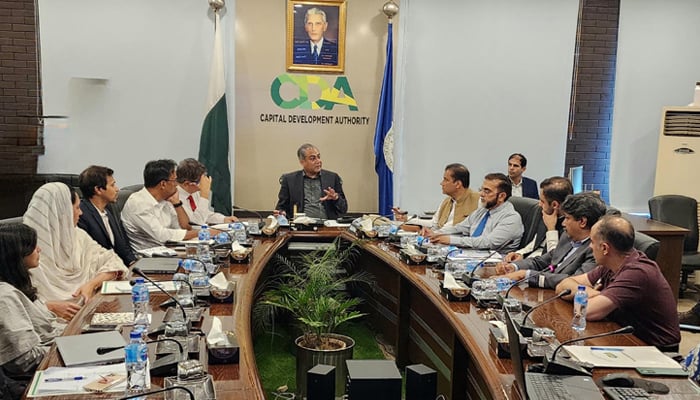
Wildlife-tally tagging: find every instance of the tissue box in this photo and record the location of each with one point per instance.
(455, 295)
(242, 257)
(412, 258)
(224, 354)
(499, 343)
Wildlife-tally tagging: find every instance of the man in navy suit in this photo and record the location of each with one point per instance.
(315, 192)
(316, 49)
(522, 186)
(99, 190)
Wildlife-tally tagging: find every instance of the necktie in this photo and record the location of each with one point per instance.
(193, 205)
(480, 228)
(315, 54)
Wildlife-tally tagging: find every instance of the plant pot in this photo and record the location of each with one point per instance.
(309, 358)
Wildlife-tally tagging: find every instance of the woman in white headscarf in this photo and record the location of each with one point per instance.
(72, 265)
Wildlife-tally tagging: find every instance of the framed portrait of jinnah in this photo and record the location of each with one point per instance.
(316, 35)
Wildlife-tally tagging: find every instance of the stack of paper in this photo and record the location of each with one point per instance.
(63, 381)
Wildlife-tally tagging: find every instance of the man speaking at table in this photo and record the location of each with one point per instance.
(315, 192)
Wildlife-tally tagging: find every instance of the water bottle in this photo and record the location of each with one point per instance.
(204, 255)
(136, 363)
(239, 232)
(222, 238)
(580, 306)
(204, 233)
(140, 298)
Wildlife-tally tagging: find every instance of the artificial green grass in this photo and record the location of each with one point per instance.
(277, 362)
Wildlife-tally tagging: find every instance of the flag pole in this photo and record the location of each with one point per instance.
(214, 140)
(383, 133)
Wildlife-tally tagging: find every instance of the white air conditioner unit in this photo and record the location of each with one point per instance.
(678, 161)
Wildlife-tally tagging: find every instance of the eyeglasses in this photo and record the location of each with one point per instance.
(488, 191)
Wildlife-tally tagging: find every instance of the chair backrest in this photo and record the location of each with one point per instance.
(677, 210)
(646, 244)
(531, 214)
(123, 195)
(13, 220)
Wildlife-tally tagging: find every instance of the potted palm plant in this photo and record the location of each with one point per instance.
(312, 288)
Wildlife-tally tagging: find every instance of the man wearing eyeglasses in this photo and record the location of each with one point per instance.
(154, 214)
(316, 192)
(492, 225)
(193, 191)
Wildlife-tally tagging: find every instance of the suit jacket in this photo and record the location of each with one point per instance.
(292, 192)
(303, 53)
(580, 262)
(530, 188)
(91, 222)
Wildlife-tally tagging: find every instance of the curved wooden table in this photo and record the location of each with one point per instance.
(406, 307)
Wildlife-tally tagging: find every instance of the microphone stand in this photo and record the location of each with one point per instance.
(501, 299)
(260, 223)
(482, 261)
(527, 330)
(171, 388)
(566, 367)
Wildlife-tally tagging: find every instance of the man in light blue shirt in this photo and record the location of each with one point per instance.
(492, 225)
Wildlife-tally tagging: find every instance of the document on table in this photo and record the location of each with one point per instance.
(63, 381)
(122, 287)
(622, 356)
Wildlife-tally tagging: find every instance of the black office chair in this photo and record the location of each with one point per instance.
(647, 245)
(680, 211)
(123, 195)
(531, 214)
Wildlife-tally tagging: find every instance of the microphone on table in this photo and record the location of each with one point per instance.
(549, 268)
(257, 214)
(168, 389)
(440, 264)
(522, 325)
(137, 271)
(163, 366)
(567, 367)
(482, 261)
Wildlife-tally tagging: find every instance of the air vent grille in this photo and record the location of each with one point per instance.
(682, 122)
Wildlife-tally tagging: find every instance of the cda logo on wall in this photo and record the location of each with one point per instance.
(339, 94)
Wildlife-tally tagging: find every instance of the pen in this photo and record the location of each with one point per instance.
(73, 378)
(607, 349)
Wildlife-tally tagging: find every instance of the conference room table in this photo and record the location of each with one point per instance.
(670, 253)
(406, 307)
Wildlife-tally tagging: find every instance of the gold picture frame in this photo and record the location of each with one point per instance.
(325, 28)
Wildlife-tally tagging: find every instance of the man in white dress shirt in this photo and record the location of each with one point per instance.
(193, 187)
(154, 214)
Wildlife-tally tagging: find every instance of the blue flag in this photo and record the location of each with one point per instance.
(383, 137)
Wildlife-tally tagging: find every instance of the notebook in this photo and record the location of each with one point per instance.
(82, 349)
(158, 265)
(543, 386)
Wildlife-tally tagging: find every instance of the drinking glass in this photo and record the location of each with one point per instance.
(202, 388)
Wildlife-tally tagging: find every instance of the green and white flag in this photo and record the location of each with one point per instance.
(214, 142)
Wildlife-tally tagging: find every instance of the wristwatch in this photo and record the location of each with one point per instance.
(176, 205)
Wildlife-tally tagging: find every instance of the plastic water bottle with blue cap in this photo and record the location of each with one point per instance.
(204, 233)
(222, 238)
(136, 360)
(239, 232)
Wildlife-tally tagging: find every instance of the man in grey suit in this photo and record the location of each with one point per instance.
(573, 255)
